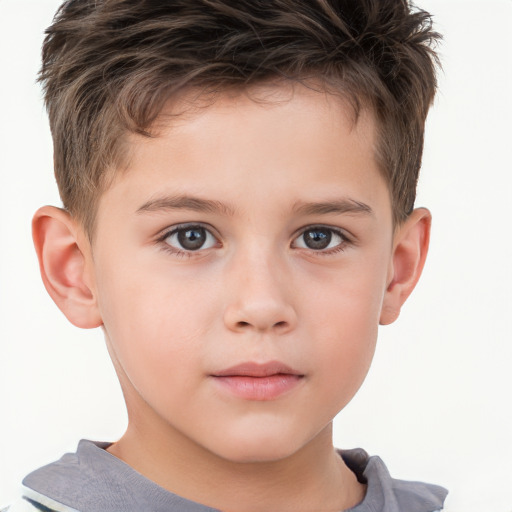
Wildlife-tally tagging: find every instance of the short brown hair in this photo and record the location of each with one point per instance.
(110, 65)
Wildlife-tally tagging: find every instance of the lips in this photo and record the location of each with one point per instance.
(259, 382)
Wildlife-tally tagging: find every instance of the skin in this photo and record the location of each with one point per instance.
(173, 318)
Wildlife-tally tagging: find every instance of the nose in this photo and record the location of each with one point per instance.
(260, 295)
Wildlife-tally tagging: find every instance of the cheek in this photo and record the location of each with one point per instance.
(154, 325)
(344, 323)
(345, 347)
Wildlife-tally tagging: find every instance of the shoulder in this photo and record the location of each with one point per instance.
(385, 493)
(94, 480)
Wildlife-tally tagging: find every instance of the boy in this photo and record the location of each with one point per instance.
(238, 181)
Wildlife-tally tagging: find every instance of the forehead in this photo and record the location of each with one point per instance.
(293, 139)
(248, 116)
(306, 97)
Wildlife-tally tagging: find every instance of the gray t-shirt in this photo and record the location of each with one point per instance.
(93, 480)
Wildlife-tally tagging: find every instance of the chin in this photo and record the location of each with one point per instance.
(259, 447)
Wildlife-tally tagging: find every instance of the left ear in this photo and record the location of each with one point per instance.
(410, 247)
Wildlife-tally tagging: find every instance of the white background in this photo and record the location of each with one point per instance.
(437, 403)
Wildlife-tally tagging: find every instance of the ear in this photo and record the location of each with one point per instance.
(410, 247)
(65, 263)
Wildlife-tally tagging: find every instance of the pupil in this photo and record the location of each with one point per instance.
(317, 238)
(192, 239)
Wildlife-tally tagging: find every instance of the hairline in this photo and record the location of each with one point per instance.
(205, 97)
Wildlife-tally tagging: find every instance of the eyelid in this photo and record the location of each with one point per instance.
(335, 229)
(183, 252)
(347, 239)
(169, 230)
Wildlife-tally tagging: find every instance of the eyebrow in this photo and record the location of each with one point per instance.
(184, 202)
(337, 206)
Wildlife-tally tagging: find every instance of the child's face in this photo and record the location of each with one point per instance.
(246, 233)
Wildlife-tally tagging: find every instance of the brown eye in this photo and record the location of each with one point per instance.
(319, 238)
(191, 238)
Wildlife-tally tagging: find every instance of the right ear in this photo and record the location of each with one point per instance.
(65, 263)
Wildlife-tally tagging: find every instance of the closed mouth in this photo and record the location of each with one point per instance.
(258, 370)
(258, 382)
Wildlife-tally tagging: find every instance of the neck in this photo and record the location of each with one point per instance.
(315, 478)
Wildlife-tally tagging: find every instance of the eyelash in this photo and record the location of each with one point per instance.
(176, 229)
(342, 246)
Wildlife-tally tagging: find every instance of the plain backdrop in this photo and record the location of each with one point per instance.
(437, 403)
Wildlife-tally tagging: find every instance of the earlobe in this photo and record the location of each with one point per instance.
(63, 265)
(409, 253)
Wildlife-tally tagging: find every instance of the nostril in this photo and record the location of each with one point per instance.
(278, 325)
